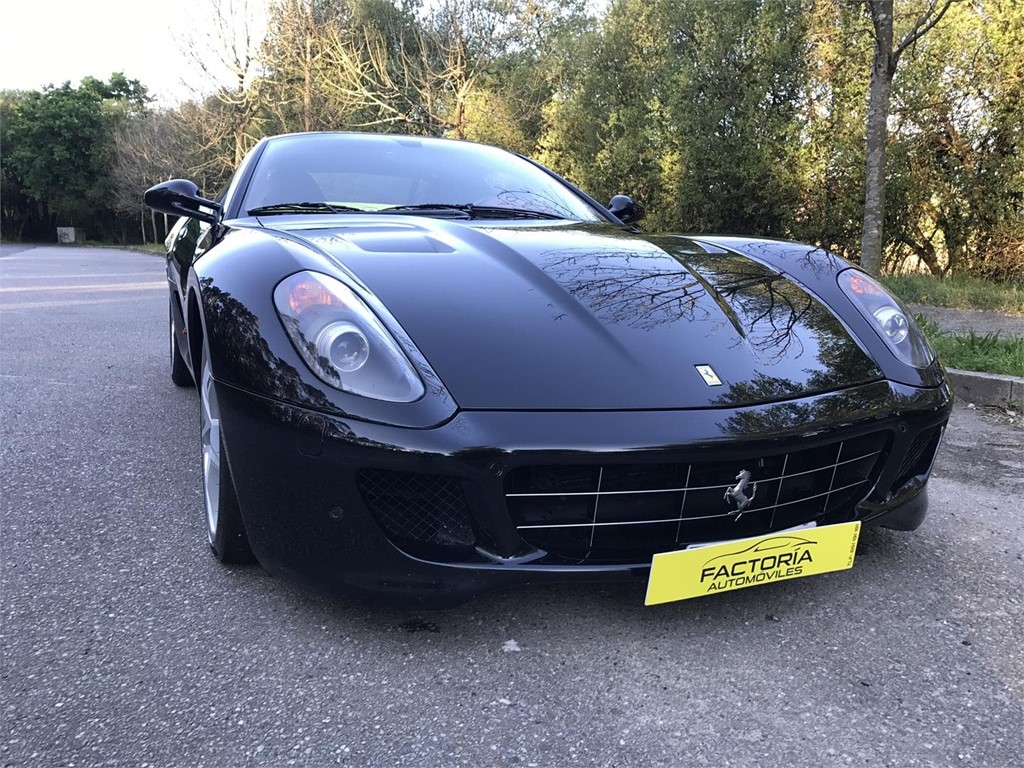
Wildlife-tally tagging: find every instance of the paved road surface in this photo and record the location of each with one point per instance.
(125, 643)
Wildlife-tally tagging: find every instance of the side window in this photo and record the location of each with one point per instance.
(174, 233)
(189, 244)
(186, 234)
(223, 191)
(229, 196)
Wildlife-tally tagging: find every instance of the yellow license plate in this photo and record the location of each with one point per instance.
(749, 562)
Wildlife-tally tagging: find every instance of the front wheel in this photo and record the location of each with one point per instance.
(224, 527)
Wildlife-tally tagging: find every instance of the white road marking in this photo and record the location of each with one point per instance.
(72, 276)
(86, 288)
(52, 304)
(37, 379)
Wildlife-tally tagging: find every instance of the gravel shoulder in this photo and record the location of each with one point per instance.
(982, 322)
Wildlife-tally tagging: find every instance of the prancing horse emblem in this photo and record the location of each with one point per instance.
(736, 492)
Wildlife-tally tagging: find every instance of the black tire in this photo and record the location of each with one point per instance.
(224, 527)
(180, 373)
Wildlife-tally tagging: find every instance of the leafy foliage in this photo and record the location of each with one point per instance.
(958, 291)
(68, 125)
(58, 147)
(959, 171)
(970, 351)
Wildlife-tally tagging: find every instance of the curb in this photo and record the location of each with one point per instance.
(987, 388)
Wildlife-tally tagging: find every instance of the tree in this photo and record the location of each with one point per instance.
(606, 126)
(832, 118)
(507, 106)
(209, 143)
(691, 107)
(129, 95)
(58, 145)
(957, 133)
(883, 70)
(18, 211)
(294, 71)
(317, 49)
(224, 53)
(147, 150)
(734, 94)
(418, 69)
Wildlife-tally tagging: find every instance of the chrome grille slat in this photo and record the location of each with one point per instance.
(684, 519)
(597, 503)
(778, 491)
(685, 489)
(624, 509)
(833, 480)
(682, 507)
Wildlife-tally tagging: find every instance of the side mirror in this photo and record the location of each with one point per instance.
(625, 210)
(180, 197)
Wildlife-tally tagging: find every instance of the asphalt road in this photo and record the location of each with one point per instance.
(125, 643)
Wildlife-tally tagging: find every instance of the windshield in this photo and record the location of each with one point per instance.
(374, 172)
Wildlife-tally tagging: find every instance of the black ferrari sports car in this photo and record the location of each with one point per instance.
(429, 368)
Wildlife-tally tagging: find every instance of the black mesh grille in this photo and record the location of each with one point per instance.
(628, 512)
(919, 455)
(417, 509)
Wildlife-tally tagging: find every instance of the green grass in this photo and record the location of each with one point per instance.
(989, 352)
(958, 292)
(148, 247)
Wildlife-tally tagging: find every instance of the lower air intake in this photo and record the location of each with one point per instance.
(919, 456)
(418, 512)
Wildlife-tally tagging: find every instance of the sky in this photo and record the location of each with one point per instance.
(46, 42)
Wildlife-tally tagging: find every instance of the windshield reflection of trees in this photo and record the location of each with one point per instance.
(835, 351)
(681, 281)
(678, 280)
(244, 345)
(860, 404)
(531, 200)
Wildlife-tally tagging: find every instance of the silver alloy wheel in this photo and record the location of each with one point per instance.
(210, 424)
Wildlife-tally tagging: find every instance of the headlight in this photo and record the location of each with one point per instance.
(888, 317)
(342, 341)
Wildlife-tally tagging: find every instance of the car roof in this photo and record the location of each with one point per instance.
(376, 137)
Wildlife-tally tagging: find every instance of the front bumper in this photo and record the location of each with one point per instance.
(301, 479)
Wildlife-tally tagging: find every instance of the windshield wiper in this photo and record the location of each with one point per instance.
(268, 210)
(499, 212)
(456, 209)
(470, 211)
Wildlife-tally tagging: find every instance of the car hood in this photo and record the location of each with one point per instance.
(589, 317)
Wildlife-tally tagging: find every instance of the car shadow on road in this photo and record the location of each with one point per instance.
(604, 607)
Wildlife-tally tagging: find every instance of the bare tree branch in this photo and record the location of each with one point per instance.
(923, 24)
